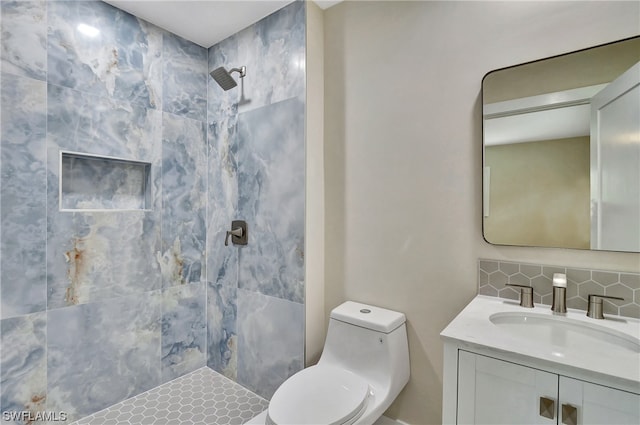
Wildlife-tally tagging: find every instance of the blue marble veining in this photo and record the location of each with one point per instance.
(23, 363)
(273, 50)
(24, 38)
(23, 195)
(98, 255)
(85, 123)
(256, 173)
(184, 201)
(183, 330)
(265, 145)
(270, 341)
(102, 353)
(222, 338)
(271, 180)
(222, 202)
(125, 289)
(95, 256)
(112, 331)
(185, 82)
(114, 55)
(222, 261)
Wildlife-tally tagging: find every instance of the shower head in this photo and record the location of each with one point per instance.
(224, 78)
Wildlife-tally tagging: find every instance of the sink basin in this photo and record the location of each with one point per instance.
(561, 332)
(605, 351)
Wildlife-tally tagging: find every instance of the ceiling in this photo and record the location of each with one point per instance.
(205, 22)
(550, 116)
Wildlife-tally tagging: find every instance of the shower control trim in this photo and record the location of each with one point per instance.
(238, 233)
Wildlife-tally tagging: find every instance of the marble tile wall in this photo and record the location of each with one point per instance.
(493, 275)
(255, 311)
(270, 337)
(184, 200)
(23, 191)
(96, 307)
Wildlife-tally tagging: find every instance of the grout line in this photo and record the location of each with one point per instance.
(201, 376)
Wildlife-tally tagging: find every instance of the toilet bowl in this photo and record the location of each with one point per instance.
(319, 395)
(363, 367)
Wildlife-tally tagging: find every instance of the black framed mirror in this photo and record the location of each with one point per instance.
(561, 150)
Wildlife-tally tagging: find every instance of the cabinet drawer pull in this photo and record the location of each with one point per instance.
(547, 408)
(569, 415)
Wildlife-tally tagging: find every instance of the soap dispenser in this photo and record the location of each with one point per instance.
(559, 303)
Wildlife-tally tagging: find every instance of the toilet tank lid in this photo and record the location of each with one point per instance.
(368, 316)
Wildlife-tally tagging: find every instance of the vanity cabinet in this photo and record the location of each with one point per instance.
(494, 391)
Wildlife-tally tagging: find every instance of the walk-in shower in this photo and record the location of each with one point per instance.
(224, 78)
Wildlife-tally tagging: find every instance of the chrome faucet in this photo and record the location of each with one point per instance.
(559, 303)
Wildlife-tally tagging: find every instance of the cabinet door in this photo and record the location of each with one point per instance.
(492, 391)
(596, 404)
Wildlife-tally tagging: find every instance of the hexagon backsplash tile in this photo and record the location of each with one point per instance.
(493, 275)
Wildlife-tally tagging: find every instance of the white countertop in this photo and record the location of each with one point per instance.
(473, 328)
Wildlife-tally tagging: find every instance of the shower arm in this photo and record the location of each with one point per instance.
(242, 71)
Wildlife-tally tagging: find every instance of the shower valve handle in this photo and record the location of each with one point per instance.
(238, 233)
(235, 232)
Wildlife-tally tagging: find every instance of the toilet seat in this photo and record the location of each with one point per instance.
(319, 395)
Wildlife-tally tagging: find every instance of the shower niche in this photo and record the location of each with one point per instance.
(101, 183)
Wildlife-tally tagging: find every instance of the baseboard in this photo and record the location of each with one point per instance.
(386, 421)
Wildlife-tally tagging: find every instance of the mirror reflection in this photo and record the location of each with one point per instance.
(562, 151)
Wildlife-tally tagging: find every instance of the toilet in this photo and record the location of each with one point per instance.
(363, 368)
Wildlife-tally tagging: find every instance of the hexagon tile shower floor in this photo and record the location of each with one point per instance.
(201, 397)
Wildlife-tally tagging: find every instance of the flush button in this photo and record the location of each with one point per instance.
(365, 311)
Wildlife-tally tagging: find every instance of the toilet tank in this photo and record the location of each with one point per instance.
(371, 342)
